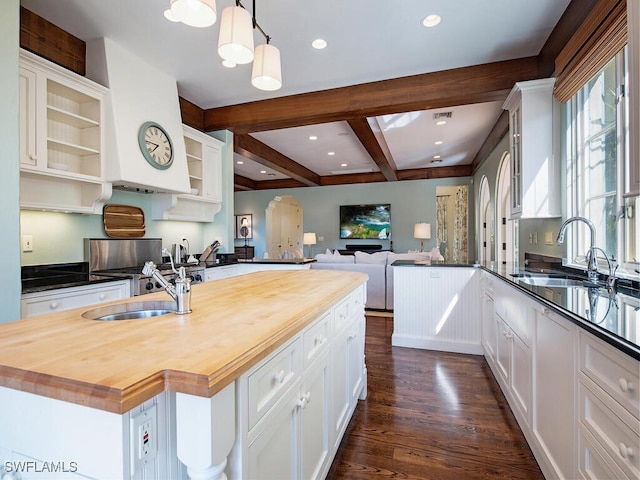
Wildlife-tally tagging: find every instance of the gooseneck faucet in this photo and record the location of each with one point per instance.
(592, 256)
(180, 292)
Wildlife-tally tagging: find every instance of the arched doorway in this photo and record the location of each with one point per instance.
(506, 245)
(486, 222)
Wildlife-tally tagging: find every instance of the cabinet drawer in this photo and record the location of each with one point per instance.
(591, 460)
(348, 309)
(66, 299)
(615, 373)
(315, 340)
(270, 380)
(614, 428)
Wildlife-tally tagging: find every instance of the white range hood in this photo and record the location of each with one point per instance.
(139, 93)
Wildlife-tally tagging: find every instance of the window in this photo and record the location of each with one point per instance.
(597, 160)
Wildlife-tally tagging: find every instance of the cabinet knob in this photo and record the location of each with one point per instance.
(353, 335)
(508, 334)
(103, 296)
(304, 399)
(544, 310)
(279, 377)
(53, 305)
(625, 451)
(319, 340)
(625, 385)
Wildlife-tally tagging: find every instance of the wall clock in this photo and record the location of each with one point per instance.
(155, 145)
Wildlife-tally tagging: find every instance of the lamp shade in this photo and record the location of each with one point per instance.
(195, 13)
(422, 231)
(309, 238)
(235, 43)
(266, 74)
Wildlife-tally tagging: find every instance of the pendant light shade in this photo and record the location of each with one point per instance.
(235, 43)
(266, 74)
(195, 13)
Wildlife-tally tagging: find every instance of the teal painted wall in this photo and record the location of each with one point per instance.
(9, 159)
(411, 202)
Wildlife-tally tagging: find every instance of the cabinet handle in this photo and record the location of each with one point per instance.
(304, 399)
(625, 451)
(279, 377)
(53, 305)
(625, 385)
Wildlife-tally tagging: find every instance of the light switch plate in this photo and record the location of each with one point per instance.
(27, 243)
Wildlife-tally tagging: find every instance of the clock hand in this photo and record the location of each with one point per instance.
(151, 143)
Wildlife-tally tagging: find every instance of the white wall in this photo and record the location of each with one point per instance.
(9, 148)
(411, 202)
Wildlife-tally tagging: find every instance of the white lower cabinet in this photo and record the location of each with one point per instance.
(608, 410)
(40, 303)
(216, 273)
(554, 385)
(576, 398)
(294, 406)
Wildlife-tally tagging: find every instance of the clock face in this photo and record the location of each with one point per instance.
(155, 145)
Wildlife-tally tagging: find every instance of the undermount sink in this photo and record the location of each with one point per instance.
(130, 311)
(552, 280)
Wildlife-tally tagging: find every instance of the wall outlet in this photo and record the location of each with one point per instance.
(144, 438)
(27, 243)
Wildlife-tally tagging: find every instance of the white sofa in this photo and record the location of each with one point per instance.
(376, 265)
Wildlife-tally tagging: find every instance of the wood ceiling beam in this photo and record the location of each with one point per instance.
(241, 183)
(499, 130)
(259, 152)
(447, 88)
(372, 144)
(435, 172)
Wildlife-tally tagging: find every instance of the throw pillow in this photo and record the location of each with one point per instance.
(378, 258)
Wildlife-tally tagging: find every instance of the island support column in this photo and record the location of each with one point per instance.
(206, 429)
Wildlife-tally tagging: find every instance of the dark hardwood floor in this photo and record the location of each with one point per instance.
(430, 415)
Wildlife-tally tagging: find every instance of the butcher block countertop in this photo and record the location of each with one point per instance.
(117, 365)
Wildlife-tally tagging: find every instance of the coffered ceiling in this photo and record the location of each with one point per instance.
(372, 97)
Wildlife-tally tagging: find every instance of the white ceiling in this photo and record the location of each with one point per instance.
(368, 40)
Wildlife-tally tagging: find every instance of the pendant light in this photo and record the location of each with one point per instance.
(235, 43)
(195, 13)
(266, 74)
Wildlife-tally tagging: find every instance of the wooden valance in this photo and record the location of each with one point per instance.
(598, 39)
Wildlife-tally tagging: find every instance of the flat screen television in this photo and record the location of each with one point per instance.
(365, 221)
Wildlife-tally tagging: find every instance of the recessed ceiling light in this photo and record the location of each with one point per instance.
(319, 43)
(343, 164)
(240, 162)
(228, 64)
(431, 20)
(439, 142)
(437, 157)
(331, 153)
(441, 122)
(313, 137)
(263, 171)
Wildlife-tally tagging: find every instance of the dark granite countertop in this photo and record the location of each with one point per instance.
(40, 278)
(614, 317)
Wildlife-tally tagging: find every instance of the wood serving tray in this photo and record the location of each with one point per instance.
(123, 221)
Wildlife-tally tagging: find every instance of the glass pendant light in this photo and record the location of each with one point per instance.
(266, 74)
(195, 13)
(235, 43)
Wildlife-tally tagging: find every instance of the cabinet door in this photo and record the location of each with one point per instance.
(341, 396)
(554, 405)
(489, 328)
(314, 420)
(212, 172)
(516, 163)
(356, 360)
(273, 453)
(503, 350)
(521, 378)
(28, 151)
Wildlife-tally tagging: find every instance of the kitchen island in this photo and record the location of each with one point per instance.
(79, 391)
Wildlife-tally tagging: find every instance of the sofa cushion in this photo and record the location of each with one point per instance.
(408, 256)
(324, 258)
(377, 258)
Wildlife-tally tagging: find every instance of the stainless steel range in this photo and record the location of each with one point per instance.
(124, 258)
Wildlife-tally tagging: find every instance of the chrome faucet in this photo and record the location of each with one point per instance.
(180, 292)
(592, 255)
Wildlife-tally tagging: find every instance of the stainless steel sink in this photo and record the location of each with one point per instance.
(130, 311)
(552, 280)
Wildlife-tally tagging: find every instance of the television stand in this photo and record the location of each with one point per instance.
(363, 247)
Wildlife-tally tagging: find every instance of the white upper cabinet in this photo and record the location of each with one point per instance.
(535, 167)
(633, 22)
(61, 139)
(204, 161)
